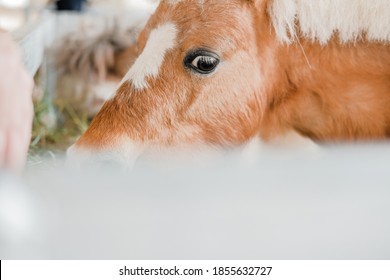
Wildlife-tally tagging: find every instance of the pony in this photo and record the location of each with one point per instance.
(221, 73)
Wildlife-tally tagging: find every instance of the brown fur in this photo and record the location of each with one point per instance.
(336, 92)
(329, 93)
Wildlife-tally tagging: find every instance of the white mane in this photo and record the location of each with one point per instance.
(320, 19)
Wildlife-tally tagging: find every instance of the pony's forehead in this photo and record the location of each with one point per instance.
(217, 23)
(203, 6)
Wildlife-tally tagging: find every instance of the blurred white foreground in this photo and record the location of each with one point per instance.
(329, 204)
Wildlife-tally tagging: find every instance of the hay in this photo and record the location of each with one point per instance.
(84, 64)
(55, 127)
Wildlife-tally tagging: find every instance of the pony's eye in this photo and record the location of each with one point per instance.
(204, 64)
(202, 61)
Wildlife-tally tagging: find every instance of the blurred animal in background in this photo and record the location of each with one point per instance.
(91, 65)
(222, 73)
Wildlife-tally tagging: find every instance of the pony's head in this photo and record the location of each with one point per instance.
(196, 80)
(220, 72)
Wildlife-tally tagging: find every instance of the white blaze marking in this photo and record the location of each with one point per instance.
(148, 64)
